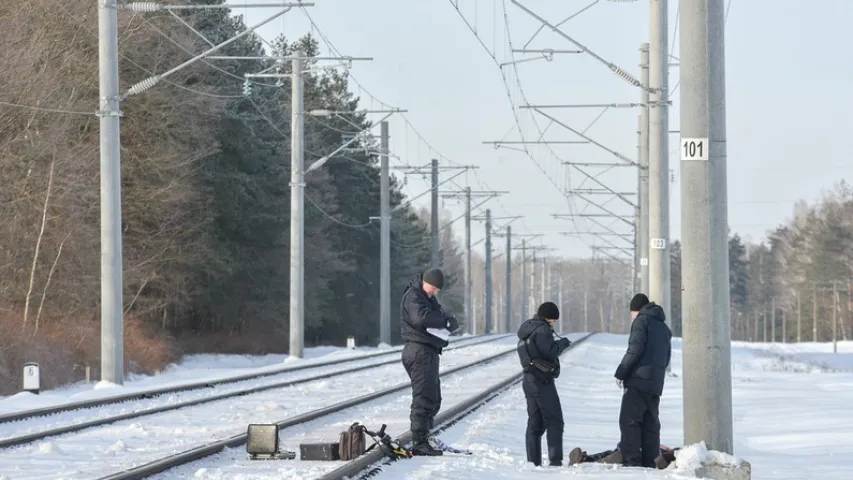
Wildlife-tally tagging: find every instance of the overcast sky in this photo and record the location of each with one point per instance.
(788, 77)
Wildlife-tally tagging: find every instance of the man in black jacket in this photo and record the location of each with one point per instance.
(538, 352)
(424, 328)
(641, 375)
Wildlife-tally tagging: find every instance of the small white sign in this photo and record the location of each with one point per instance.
(32, 377)
(694, 149)
(658, 243)
(644, 262)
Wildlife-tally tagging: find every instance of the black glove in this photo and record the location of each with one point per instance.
(452, 324)
(564, 343)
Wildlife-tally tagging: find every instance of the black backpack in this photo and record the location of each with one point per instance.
(542, 370)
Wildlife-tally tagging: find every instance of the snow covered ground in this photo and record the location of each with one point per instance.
(807, 356)
(193, 368)
(791, 415)
(392, 411)
(788, 425)
(98, 451)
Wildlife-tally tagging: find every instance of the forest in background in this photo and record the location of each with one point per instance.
(206, 205)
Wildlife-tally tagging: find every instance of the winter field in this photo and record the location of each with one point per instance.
(791, 415)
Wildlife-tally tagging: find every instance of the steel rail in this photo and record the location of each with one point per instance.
(367, 463)
(188, 456)
(35, 436)
(156, 392)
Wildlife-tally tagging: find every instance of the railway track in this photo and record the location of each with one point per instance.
(370, 464)
(213, 383)
(464, 388)
(183, 425)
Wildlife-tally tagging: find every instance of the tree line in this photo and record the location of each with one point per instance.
(205, 194)
(797, 283)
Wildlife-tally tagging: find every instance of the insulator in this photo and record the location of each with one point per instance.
(144, 7)
(143, 85)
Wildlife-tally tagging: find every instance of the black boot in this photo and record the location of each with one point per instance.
(555, 455)
(534, 449)
(421, 446)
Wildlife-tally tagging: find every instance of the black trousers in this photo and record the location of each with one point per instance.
(421, 364)
(639, 423)
(544, 413)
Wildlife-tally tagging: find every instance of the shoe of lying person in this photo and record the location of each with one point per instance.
(576, 456)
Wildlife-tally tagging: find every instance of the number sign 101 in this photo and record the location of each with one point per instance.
(694, 149)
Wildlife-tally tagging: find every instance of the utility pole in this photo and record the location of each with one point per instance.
(543, 280)
(297, 211)
(488, 271)
(434, 227)
(585, 313)
(799, 318)
(772, 319)
(112, 321)
(543, 284)
(659, 268)
(297, 195)
(524, 310)
(490, 326)
(466, 195)
(508, 293)
(112, 352)
(643, 174)
(525, 289)
(814, 313)
(433, 224)
(467, 268)
(834, 317)
(704, 216)
(563, 312)
(532, 296)
(385, 240)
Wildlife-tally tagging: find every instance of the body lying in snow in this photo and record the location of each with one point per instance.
(665, 456)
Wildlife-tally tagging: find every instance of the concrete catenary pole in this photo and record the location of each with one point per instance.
(469, 312)
(659, 268)
(508, 288)
(489, 324)
(643, 172)
(112, 321)
(433, 224)
(385, 239)
(297, 212)
(524, 287)
(704, 216)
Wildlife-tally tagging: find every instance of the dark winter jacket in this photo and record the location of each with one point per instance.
(542, 344)
(418, 312)
(644, 365)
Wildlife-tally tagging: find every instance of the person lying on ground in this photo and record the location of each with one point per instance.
(665, 456)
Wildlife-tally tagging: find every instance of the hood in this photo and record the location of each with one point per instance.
(415, 282)
(654, 311)
(529, 326)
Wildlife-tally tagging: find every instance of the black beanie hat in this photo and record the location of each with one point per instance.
(639, 301)
(434, 277)
(549, 311)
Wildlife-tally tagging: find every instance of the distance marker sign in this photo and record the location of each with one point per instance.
(694, 149)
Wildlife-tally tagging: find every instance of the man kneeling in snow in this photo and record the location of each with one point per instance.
(665, 456)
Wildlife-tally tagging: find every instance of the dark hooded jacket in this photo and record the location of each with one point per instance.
(418, 312)
(644, 365)
(542, 344)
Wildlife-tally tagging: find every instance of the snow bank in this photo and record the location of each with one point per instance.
(697, 460)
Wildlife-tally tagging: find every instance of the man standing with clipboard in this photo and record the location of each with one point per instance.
(425, 329)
